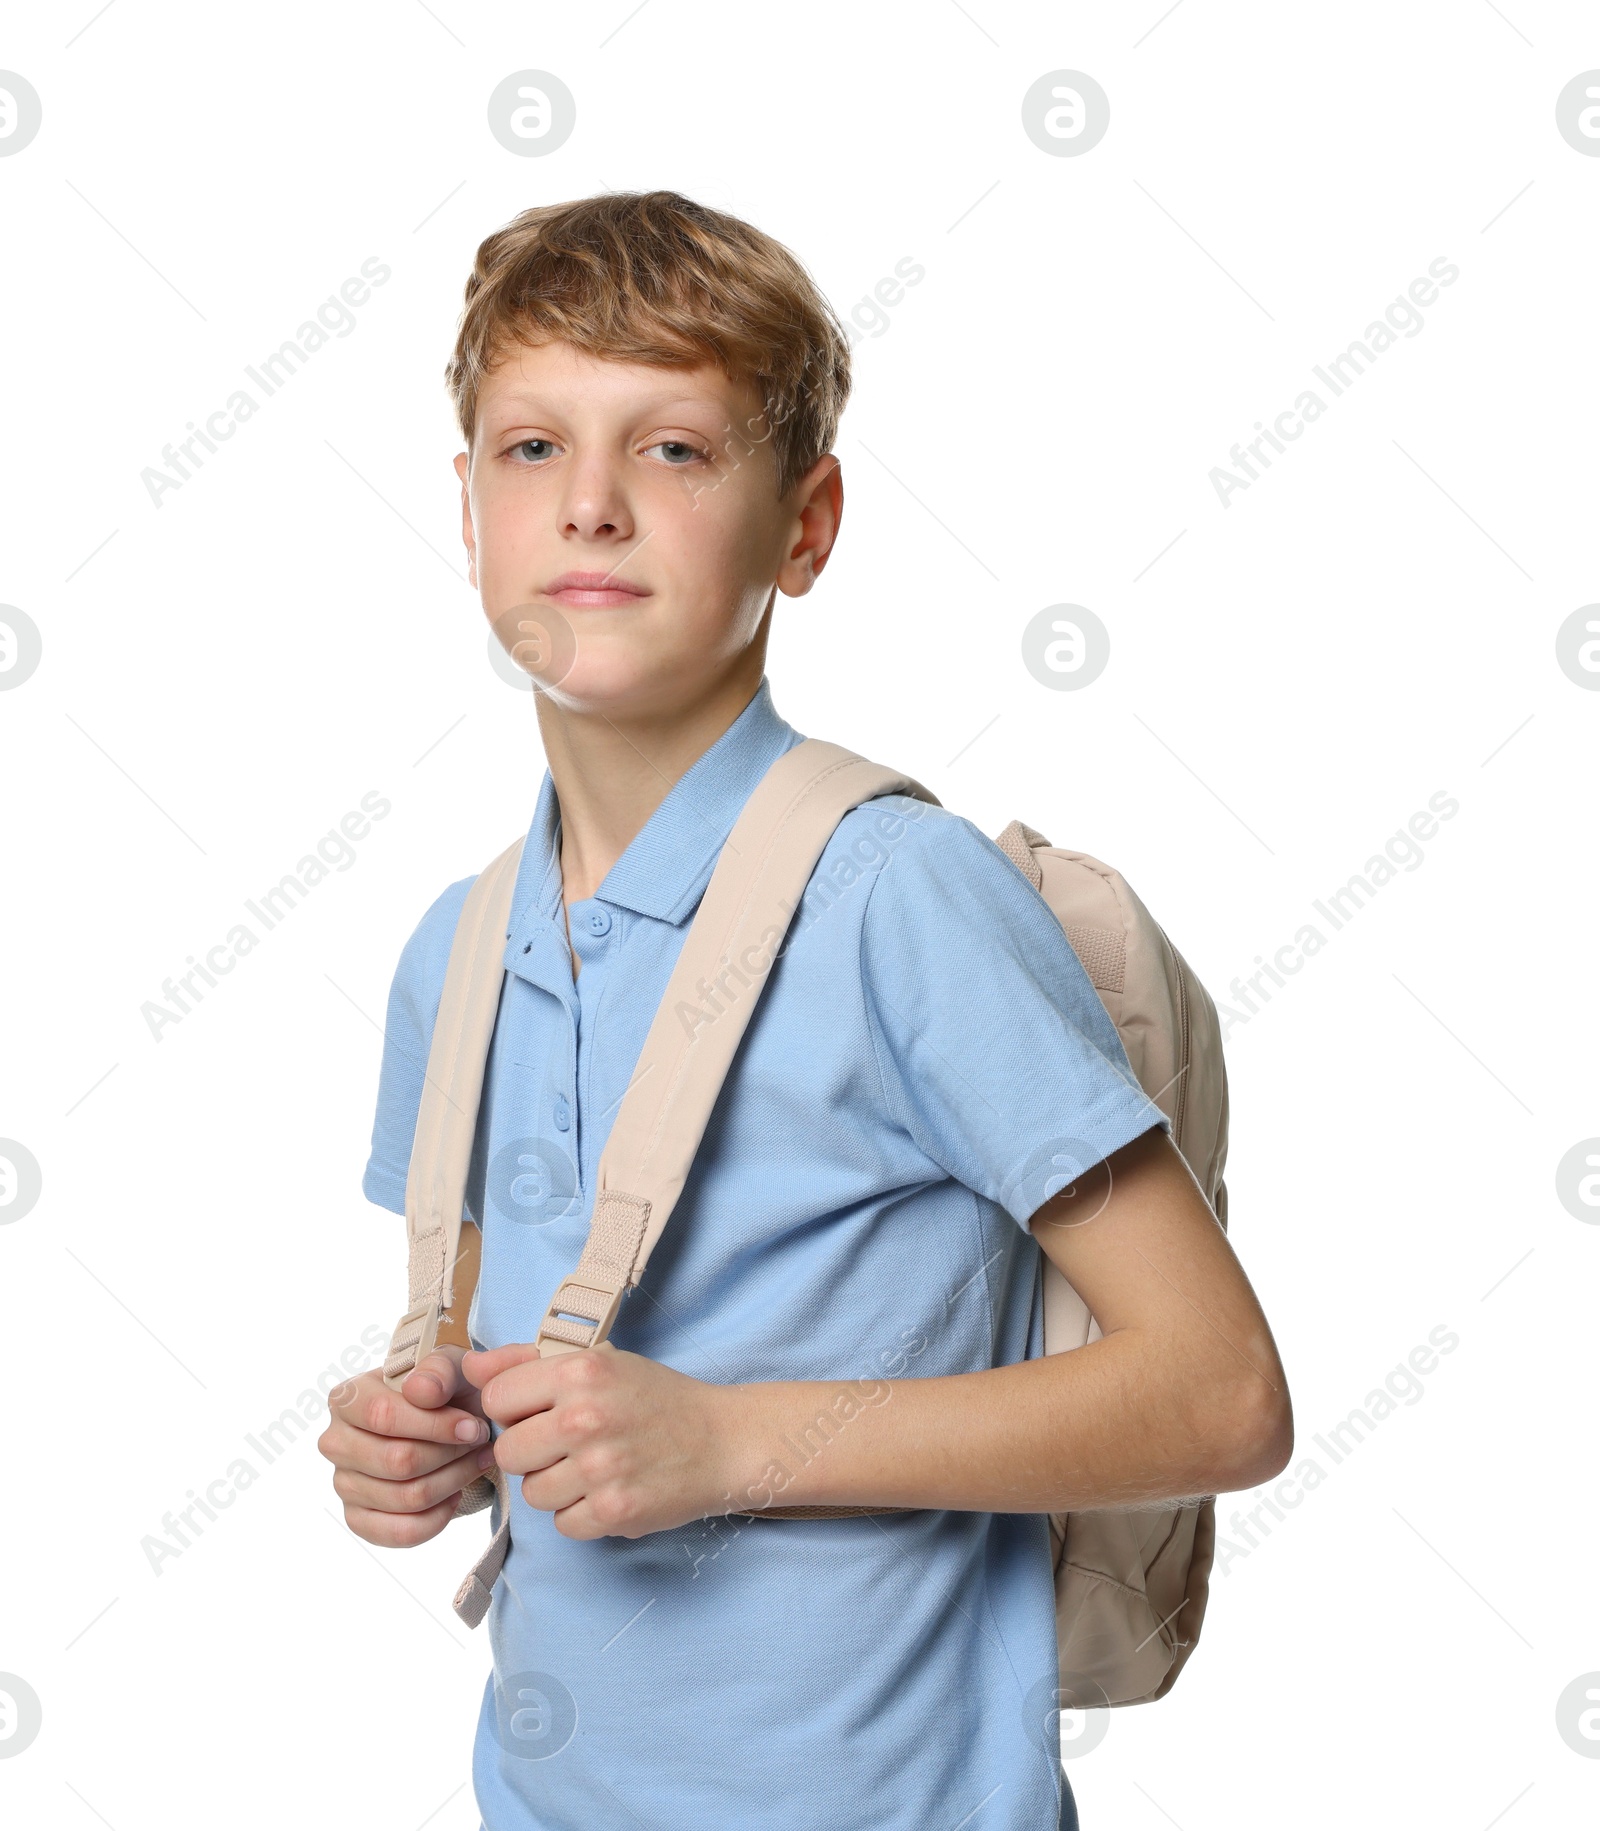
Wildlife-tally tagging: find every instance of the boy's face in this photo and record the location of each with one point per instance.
(658, 489)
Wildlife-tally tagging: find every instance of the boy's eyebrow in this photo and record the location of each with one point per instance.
(655, 404)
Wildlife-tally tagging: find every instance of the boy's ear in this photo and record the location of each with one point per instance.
(819, 508)
(463, 467)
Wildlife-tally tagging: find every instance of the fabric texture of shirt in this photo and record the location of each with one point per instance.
(926, 1064)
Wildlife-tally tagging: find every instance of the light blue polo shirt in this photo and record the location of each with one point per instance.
(927, 1063)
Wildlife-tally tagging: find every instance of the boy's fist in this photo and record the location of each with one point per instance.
(400, 1459)
(612, 1443)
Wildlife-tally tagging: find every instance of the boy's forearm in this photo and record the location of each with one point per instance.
(1068, 1431)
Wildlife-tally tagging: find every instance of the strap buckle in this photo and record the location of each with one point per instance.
(413, 1339)
(580, 1314)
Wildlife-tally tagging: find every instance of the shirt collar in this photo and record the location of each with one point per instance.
(668, 862)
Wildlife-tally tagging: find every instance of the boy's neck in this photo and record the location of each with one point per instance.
(610, 773)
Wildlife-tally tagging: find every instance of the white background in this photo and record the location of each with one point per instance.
(1292, 676)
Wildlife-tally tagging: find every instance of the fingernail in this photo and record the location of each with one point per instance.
(486, 1457)
(469, 1430)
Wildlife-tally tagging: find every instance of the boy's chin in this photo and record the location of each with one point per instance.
(602, 681)
(577, 664)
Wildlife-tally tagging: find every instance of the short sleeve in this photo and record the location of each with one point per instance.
(993, 1047)
(413, 1005)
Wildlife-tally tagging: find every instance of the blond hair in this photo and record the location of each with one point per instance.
(652, 277)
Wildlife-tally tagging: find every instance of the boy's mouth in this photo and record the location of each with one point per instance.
(597, 589)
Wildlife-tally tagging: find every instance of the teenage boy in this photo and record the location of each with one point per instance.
(649, 391)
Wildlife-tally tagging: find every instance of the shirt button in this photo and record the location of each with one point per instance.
(563, 1113)
(599, 921)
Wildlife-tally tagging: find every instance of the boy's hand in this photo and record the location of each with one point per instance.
(610, 1443)
(401, 1459)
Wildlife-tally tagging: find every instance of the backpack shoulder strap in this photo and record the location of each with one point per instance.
(441, 1146)
(736, 935)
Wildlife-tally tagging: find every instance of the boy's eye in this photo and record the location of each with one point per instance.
(677, 453)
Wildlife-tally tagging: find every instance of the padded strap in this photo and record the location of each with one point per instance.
(441, 1146)
(732, 942)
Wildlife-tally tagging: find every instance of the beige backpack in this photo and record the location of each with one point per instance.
(1130, 1585)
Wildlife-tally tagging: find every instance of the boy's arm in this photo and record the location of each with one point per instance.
(1184, 1396)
